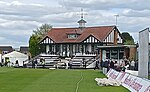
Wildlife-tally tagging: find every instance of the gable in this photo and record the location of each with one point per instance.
(119, 40)
(47, 40)
(91, 39)
(111, 37)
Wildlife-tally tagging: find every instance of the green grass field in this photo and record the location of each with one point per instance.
(45, 80)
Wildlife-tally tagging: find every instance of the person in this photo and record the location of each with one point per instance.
(132, 64)
(136, 65)
(7, 62)
(43, 63)
(116, 66)
(96, 65)
(70, 64)
(24, 65)
(101, 64)
(35, 63)
(84, 63)
(112, 64)
(2, 63)
(66, 64)
(106, 64)
(123, 66)
(16, 64)
(56, 66)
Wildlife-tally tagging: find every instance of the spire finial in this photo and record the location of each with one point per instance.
(82, 13)
(82, 21)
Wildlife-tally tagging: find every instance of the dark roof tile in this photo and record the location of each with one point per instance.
(6, 48)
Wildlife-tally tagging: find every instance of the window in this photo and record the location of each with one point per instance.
(114, 54)
(72, 36)
(121, 54)
(108, 54)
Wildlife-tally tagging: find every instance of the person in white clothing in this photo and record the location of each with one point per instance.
(132, 64)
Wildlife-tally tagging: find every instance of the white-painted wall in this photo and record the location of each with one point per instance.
(47, 48)
(89, 47)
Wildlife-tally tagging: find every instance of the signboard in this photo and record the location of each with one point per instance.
(131, 82)
(108, 73)
(114, 74)
(122, 76)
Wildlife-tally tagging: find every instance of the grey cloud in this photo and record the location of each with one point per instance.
(18, 25)
(17, 20)
(30, 10)
(61, 18)
(107, 4)
(135, 13)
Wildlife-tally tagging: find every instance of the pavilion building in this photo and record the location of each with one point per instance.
(69, 41)
(103, 40)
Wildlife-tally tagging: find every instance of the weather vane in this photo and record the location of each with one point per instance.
(82, 13)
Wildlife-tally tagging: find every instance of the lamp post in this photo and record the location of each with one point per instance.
(116, 16)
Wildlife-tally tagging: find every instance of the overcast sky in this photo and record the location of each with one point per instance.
(18, 18)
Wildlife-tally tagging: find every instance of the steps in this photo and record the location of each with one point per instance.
(53, 61)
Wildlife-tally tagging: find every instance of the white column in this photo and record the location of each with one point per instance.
(103, 54)
(89, 47)
(61, 49)
(74, 49)
(68, 51)
(47, 48)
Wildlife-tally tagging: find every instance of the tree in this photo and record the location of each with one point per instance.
(42, 31)
(33, 45)
(128, 39)
(37, 35)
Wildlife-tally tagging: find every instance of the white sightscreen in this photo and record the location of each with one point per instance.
(143, 53)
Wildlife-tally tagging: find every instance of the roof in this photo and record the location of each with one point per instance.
(15, 54)
(6, 48)
(24, 48)
(59, 35)
(82, 21)
(117, 46)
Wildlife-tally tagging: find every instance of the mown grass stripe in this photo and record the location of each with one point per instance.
(45, 80)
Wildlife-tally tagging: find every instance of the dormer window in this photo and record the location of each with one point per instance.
(72, 36)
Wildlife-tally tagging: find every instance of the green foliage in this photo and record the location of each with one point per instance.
(42, 31)
(34, 45)
(45, 80)
(37, 35)
(128, 39)
(129, 42)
